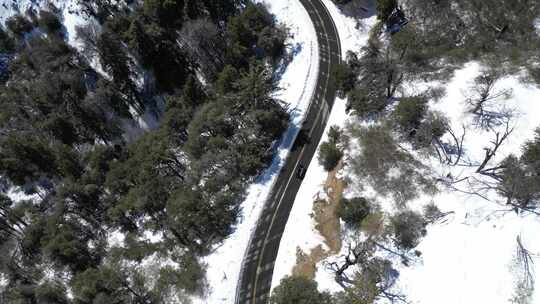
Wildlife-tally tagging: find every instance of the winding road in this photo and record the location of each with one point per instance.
(258, 264)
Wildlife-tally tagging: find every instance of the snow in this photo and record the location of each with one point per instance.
(297, 86)
(473, 251)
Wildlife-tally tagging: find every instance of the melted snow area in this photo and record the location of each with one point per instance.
(297, 85)
(470, 256)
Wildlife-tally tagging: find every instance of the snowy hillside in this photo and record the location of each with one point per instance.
(71, 12)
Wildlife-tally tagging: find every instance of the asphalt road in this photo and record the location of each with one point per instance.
(258, 264)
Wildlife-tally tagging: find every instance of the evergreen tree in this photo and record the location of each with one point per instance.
(298, 290)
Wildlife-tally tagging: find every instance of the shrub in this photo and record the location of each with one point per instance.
(353, 211)
(19, 25)
(49, 22)
(409, 113)
(7, 45)
(329, 155)
(298, 290)
(385, 8)
(408, 228)
(345, 78)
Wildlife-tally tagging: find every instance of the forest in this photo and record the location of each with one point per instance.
(100, 205)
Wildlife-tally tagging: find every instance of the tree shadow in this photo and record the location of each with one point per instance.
(359, 9)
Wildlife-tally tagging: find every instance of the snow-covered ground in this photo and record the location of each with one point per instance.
(470, 258)
(297, 85)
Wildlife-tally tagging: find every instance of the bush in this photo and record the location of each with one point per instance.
(409, 113)
(19, 25)
(408, 228)
(434, 126)
(385, 8)
(353, 211)
(345, 78)
(366, 103)
(49, 22)
(298, 290)
(7, 45)
(389, 169)
(329, 155)
(520, 178)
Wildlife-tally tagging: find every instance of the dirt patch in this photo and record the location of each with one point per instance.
(306, 264)
(327, 223)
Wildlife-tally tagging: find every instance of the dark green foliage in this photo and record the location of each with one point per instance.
(24, 161)
(190, 277)
(520, 177)
(254, 33)
(19, 25)
(341, 2)
(366, 104)
(385, 8)
(408, 228)
(158, 50)
(49, 22)
(433, 127)
(387, 167)
(353, 211)
(378, 78)
(169, 13)
(331, 151)
(101, 285)
(225, 80)
(64, 128)
(60, 97)
(345, 78)
(116, 61)
(409, 113)
(298, 290)
(500, 34)
(7, 43)
(499, 29)
(51, 292)
(329, 156)
(67, 244)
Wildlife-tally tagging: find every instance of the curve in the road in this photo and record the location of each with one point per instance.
(258, 264)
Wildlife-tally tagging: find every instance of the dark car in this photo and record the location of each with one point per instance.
(301, 172)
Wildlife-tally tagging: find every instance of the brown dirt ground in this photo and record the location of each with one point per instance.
(327, 223)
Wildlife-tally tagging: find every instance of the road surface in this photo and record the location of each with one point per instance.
(258, 265)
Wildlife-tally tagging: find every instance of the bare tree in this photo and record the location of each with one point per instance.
(366, 277)
(450, 153)
(483, 102)
(88, 35)
(490, 152)
(524, 284)
(203, 42)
